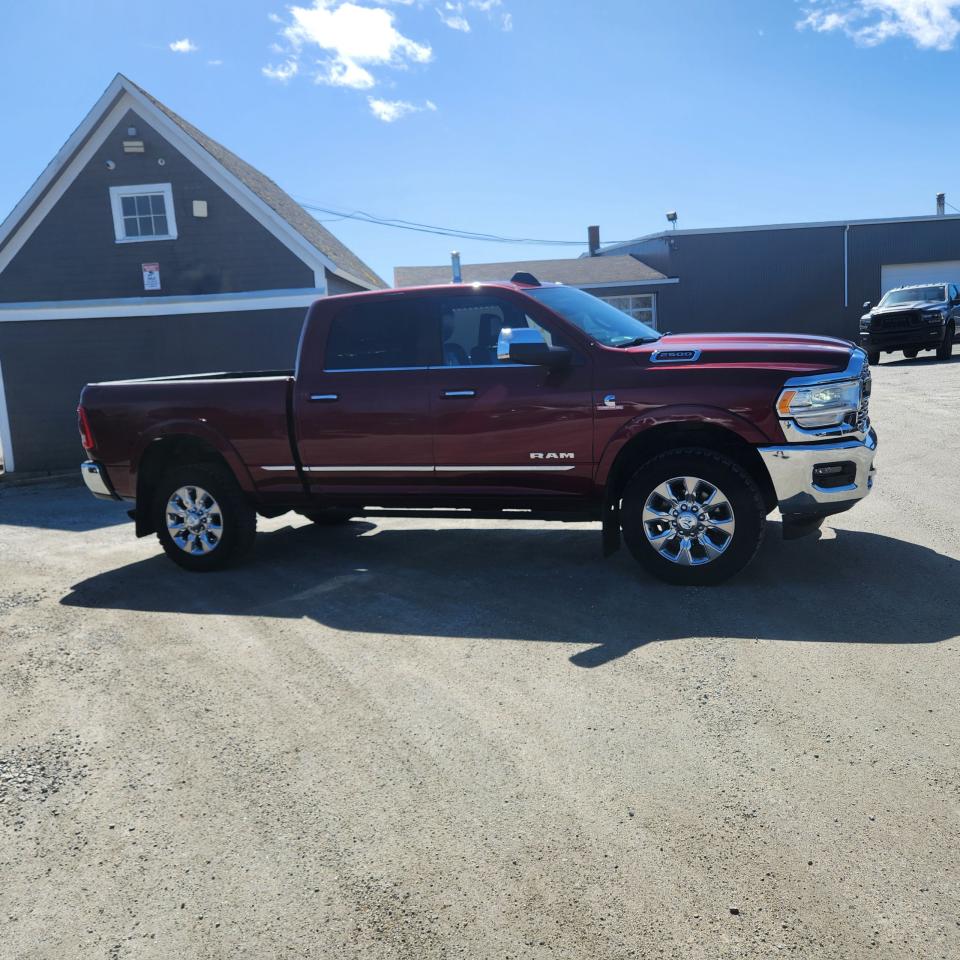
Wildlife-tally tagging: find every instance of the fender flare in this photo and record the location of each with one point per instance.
(676, 414)
(167, 429)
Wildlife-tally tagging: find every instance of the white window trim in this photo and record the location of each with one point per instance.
(116, 193)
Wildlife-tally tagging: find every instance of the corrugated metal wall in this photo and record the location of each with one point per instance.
(787, 279)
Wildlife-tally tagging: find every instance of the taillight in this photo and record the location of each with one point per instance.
(86, 435)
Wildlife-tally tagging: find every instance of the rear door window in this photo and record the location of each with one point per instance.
(379, 335)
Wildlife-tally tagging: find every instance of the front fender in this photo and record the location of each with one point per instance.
(675, 415)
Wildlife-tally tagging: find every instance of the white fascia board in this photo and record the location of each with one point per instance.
(625, 283)
(158, 306)
(667, 234)
(48, 198)
(95, 128)
(61, 158)
(6, 440)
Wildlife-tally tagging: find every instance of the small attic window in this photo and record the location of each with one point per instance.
(143, 212)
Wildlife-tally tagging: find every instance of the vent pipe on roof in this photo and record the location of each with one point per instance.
(455, 266)
(593, 240)
(941, 204)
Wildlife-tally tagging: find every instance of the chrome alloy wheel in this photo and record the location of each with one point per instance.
(194, 520)
(688, 521)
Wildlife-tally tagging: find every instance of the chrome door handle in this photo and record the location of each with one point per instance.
(324, 397)
(459, 393)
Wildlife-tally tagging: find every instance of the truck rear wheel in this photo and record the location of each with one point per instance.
(945, 350)
(873, 357)
(202, 518)
(692, 517)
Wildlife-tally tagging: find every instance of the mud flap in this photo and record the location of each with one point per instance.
(611, 527)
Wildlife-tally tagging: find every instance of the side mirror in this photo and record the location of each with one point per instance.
(867, 304)
(526, 345)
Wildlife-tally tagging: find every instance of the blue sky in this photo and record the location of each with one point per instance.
(526, 118)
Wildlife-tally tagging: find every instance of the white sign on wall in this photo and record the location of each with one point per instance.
(151, 276)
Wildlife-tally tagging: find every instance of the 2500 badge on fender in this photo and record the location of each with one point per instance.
(514, 400)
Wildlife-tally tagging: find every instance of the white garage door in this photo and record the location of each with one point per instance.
(905, 274)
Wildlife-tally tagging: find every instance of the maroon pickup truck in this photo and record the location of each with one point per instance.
(506, 400)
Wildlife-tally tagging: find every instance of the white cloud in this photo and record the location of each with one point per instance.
(930, 24)
(354, 39)
(186, 45)
(452, 15)
(214, 63)
(283, 72)
(390, 110)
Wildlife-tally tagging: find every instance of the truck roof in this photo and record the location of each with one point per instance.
(405, 291)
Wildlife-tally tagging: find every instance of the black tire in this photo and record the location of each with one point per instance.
(329, 516)
(945, 350)
(733, 482)
(873, 358)
(238, 519)
(911, 354)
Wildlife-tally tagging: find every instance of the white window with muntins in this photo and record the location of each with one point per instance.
(641, 306)
(143, 212)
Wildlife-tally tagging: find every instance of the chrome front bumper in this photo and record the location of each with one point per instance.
(791, 470)
(97, 481)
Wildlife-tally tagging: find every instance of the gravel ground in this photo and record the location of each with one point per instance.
(435, 739)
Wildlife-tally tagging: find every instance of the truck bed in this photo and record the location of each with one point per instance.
(243, 415)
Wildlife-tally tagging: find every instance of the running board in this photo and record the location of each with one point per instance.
(467, 513)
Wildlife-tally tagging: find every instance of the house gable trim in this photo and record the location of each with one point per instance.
(60, 173)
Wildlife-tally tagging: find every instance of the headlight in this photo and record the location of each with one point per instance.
(864, 324)
(933, 316)
(821, 404)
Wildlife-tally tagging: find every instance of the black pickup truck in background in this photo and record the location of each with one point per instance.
(911, 319)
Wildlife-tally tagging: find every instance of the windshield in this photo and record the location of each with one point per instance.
(911, 294)
(597, 319)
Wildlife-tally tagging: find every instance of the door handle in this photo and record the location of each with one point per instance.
(324, 397)
(459, 393)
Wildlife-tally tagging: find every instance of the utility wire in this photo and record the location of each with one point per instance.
(951, 206)
(364, 217)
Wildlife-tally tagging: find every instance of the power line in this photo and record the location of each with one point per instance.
(364, 217)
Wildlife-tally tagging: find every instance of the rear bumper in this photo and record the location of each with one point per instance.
(98, 483)
(801, 494)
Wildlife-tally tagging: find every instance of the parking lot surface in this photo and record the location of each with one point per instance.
(428, 739)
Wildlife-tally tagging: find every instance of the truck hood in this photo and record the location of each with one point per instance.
(910, 305)
(797, 352)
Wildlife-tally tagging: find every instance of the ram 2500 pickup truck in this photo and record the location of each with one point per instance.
(509, 400)
(920, 317)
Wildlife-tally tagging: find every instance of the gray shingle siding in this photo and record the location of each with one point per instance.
(46, 364)
(72, 254)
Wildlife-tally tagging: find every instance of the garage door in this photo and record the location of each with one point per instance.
(905, 274)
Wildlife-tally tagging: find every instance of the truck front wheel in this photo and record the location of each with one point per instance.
(203, 520)
(945, 350)
(692, 517)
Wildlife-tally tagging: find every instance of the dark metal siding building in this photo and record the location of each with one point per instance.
(147, 249)
(804, 278)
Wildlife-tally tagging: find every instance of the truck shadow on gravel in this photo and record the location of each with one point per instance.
(551, 585)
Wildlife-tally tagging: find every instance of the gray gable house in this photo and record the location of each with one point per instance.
(145, 249)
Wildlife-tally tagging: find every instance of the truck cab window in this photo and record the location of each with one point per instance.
(470, 327)
(377, 336)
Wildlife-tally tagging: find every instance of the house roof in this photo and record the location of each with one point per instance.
(585, 272)
(264, 198)
(810, 225)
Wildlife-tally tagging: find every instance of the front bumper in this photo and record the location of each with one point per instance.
(801, 495)
(927, 337)
(98, 483)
